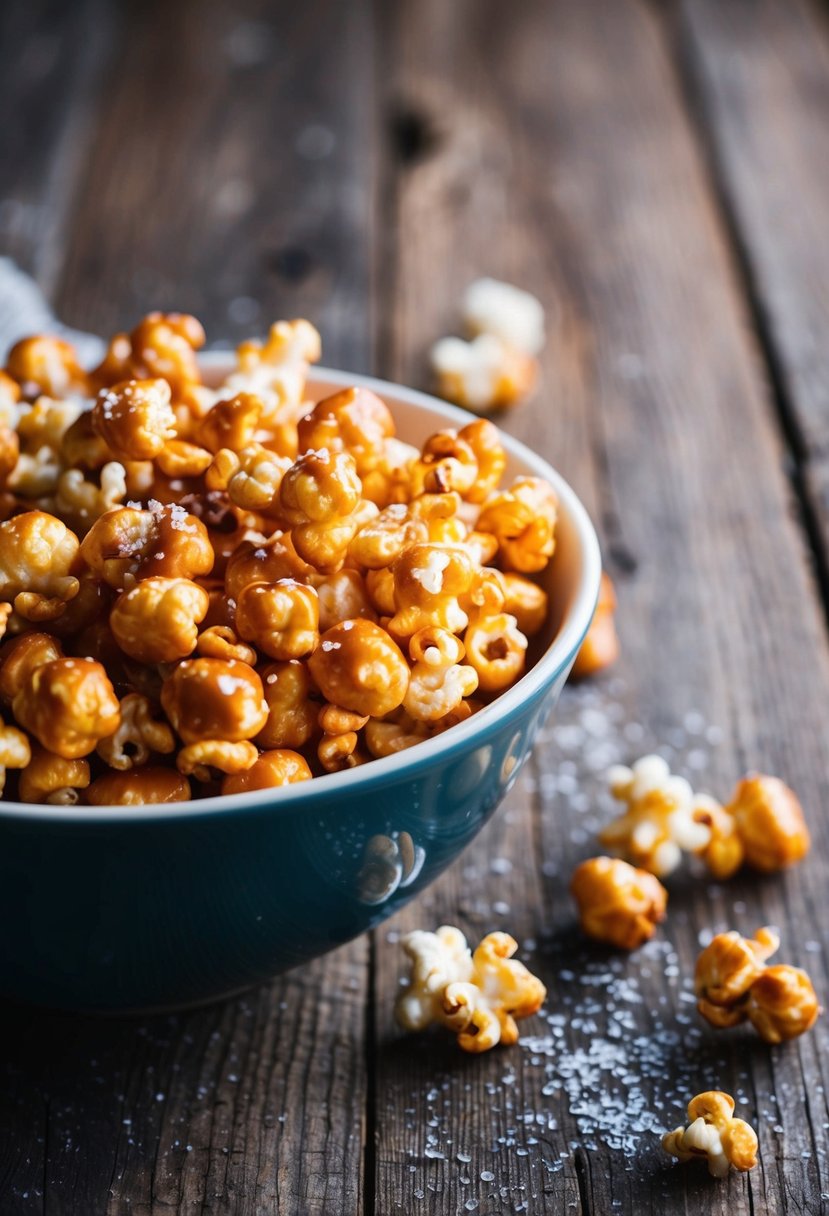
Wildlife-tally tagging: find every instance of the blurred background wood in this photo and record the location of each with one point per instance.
(658, 176)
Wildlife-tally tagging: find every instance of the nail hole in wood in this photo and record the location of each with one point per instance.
(413, 135)
(291, 263)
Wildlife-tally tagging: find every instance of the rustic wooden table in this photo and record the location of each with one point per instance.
(659, 176)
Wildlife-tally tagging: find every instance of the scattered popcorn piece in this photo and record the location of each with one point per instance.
(438, 959)
(724, 853)
(658, 822)
(713, 1133)
(484, 374)
(477, 996)
(515, 316)
(733, 984)
(601, 646)
(618, 903)
(782, 1004)
(770, 823)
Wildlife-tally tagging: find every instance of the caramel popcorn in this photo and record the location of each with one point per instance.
(281, 618)
(359, 667)
(221, 642)
(271, 769)
(214, 699)
(137, 736)
(21, 656)
(733, 984)
(477, 996)
(53, 779)
(496, 649)
(82, 501)
(276, 369)
(292, 714)
(37, 556)
(47, 365)
(617, 903)
(782, 1004)
(525, 601)
(15, 751)
(163, 346)
(355, 421)
(394, 733)
(68, 705)
(485, 442)
(236, 587)
(429, 582)
(252, 477)
(447, 464)
(769, 821)
(139, 787)
(601, 646)
(499, 366)
(763, 825)
(439, 681)
(339, 746)
(523, 521)
(157, 620)
(714, 1135)
(135, 418)
(231, 424)
(724, 851)
(342, 597)
(129, 544)
(319, 496)
(227, 756)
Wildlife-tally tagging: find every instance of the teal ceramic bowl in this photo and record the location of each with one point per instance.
(158, 907)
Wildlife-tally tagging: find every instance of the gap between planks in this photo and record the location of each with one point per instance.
(695, 93)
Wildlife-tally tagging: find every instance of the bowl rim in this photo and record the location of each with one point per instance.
(558, 655)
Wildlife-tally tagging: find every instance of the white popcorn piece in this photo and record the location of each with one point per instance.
(506, 312)
(484, 374)
(700, 1139)
(478, 996)
(661, 819)
(714, 1135)
(438, 959)
(276, 369)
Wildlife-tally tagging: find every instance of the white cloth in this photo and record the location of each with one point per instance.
(24, 311)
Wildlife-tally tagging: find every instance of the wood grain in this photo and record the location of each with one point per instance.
(232, 174)
(759, 79)
(48, 51)
(360, 164)
(250, 1106)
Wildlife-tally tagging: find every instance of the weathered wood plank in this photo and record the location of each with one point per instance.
(232, 174)
(250, 1106)
(458, 1133)
(555, 151)
(208, 189)
(759, 81)
(52, 57)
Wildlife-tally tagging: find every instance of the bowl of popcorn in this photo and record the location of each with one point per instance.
(276, 641)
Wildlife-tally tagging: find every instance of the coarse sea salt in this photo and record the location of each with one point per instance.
(610, 1062)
